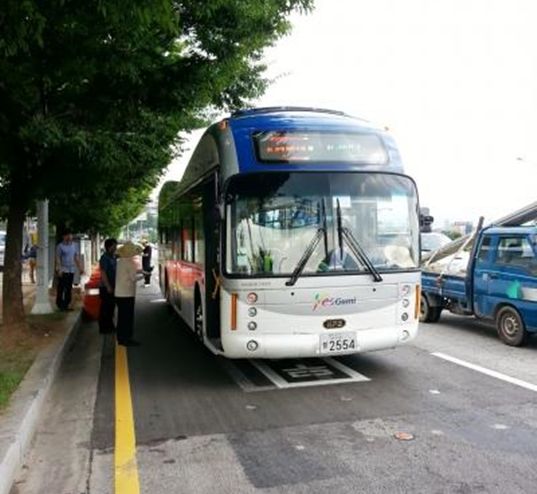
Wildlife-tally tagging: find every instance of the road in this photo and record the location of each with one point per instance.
(207, 425)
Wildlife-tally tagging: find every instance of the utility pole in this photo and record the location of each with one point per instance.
(42, 301)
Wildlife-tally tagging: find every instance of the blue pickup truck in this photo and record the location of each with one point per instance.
(500, 284)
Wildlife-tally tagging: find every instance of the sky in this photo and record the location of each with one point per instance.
(454, 80)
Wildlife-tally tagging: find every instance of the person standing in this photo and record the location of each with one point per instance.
(146, 262)
(107, 265)
(67, 260)
(125, 292)
(32, 261)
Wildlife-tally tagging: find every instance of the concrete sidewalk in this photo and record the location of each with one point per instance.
(19, 420)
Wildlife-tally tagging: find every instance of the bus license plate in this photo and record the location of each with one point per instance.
(338, 342)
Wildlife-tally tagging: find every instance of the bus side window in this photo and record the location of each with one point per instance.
(199, 241)
(186, 240)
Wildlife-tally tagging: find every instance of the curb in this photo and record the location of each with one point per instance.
(19, 422)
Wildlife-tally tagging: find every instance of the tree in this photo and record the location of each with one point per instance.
(452, 234)
(94, 93)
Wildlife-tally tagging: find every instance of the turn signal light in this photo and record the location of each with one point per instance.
(252, 345)
(418, 302)
(234, 299)
(251, 298)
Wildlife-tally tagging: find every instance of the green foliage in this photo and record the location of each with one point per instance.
(452, 234)
(93, 94)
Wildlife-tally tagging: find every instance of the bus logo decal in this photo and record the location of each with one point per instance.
(324, 301)
(334, 323)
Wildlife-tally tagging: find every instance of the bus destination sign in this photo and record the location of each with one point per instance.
(317, 147)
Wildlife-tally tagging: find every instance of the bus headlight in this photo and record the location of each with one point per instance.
(252, 345)
(252, 326)
(404, 316)
(405, 303)
(252, 311)
(251, 298)
(405, 290)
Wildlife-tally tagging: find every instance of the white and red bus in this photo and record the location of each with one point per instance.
(293, 233)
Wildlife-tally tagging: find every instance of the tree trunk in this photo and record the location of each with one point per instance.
(13, 307)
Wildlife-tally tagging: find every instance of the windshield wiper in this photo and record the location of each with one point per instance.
(345, 234)
(325, 227)
(305, 257)
(310, 249)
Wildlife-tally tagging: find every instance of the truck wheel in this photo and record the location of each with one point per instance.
(429, 313)
(510, 326)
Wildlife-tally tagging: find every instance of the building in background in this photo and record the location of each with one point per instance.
(143, 226)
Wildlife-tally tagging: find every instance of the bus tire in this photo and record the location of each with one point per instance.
(168, 295)
(429, 313)
(198, 317)
(510, 326)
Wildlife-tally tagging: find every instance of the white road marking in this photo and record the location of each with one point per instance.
(238, 376)
(268, 372)
(281, 383)
(488, 372)
(346, 370)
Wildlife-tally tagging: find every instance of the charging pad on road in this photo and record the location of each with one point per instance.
(263, 375)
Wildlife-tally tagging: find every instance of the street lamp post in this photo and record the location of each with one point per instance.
(42, 301)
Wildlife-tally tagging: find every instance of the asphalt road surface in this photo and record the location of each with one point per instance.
(452, 412)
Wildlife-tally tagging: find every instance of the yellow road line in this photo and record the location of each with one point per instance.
(125, 467)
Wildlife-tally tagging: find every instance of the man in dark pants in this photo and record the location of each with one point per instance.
(146, 263)
(126, 277)
(67, 260)
(107, 266)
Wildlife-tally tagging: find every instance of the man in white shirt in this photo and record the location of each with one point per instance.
(67, 260)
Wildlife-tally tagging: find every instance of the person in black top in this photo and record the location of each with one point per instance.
(107, 265)
(146, 262)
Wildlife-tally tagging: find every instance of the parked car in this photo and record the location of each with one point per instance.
(433, 241)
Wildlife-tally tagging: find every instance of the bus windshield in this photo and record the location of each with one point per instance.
(272, 219)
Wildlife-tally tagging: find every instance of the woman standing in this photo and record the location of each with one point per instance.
(107, 265)
(125, 292)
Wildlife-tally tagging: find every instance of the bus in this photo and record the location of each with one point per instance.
(293, 233)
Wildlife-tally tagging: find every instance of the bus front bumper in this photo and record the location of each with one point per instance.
(276, 346)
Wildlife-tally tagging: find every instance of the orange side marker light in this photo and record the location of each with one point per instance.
(234, 300)
(418, 302)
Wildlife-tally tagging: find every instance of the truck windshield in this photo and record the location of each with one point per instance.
(271, 219)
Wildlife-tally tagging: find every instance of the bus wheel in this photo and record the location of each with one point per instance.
(429, 313)
(167, 295)
(198, 320)
(510, 327)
